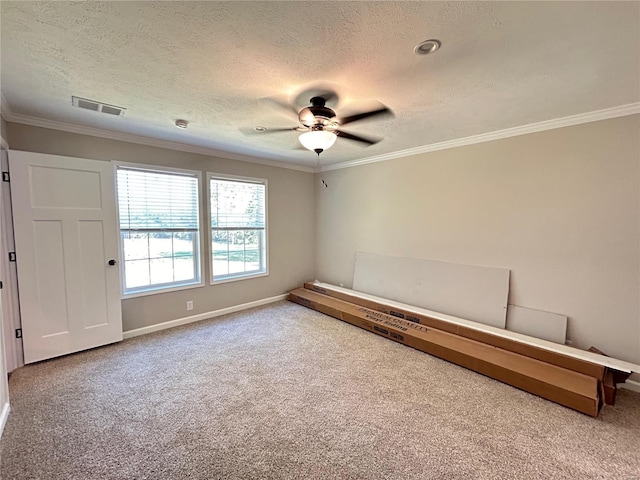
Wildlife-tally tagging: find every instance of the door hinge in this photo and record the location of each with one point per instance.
(1, 285)
(6, 177)
(12, 256)
(18, 333)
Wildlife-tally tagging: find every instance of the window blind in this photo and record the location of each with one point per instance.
(237, 205)
(150, 200)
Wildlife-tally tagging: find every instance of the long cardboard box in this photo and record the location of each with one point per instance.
(585, 367)
(571, 389)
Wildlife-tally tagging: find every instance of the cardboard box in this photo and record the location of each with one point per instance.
(571, 389)
(554, 358)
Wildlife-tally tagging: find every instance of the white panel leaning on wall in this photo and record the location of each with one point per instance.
(472, 292)
(536, 323)
(467, 291)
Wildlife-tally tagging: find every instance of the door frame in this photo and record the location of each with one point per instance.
(11, 322)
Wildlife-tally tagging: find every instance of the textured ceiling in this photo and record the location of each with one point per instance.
(501, 65)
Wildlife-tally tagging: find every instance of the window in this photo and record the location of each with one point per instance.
(159, 228)
(238, 227)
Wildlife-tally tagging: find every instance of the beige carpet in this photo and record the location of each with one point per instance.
(285, 392)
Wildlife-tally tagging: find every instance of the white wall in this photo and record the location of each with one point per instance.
(560, 208)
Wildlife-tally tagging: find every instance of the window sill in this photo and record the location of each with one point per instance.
(155, 291)
(238, 278)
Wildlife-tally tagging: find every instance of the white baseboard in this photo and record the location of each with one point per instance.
(201, 316)
(630, 385)
(4, 415)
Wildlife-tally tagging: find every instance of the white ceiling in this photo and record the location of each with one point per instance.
(501, 65)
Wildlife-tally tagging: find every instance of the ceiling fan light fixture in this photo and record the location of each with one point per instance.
(318, 140)
(427, 47)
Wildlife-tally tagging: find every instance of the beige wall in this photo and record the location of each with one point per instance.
(291, 221)
(559, 208)
(3, 129)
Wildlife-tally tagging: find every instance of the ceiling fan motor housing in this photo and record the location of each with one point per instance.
(317, 114)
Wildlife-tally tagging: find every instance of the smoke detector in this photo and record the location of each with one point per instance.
(97, 106)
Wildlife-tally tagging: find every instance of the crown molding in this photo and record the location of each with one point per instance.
(605, 114)
(148, 141)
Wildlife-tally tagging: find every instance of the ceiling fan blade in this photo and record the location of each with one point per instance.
(349, 136)
(281, 104)
(363, 115)
(253, 131)
(273, 130)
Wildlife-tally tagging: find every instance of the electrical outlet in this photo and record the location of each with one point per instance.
(190, 305)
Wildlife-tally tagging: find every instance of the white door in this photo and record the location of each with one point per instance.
(64, 213)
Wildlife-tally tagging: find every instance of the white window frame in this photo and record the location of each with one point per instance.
(201, 238)
(239, 276)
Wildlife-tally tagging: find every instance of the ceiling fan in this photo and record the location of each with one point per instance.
(320, 125)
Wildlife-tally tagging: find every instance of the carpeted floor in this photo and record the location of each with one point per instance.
(285, 392)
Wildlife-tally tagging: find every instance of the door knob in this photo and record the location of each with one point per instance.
(112, 262)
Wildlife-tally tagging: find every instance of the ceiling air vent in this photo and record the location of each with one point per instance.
(97, 106)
